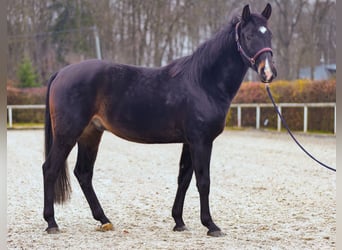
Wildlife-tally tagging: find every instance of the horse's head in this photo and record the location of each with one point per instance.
(253, 39)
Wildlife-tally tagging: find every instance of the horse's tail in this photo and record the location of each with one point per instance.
(47, 126)
(62, 186)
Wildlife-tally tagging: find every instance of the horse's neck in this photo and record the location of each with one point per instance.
(233, 73)
(226, 73)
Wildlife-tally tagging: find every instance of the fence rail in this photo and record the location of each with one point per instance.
(239, 107)
(305, 106)
(10, 108)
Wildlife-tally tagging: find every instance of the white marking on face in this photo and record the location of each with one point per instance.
(262, 29)
(268, 70)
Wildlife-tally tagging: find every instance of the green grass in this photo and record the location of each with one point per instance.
(26, 126)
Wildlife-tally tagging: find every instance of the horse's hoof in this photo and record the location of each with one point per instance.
(105, 227)
(218, 233)
(180, 228)
(52, 230)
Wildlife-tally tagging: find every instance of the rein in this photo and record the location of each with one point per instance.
(252, 60)
(243, 52)
(290, 133)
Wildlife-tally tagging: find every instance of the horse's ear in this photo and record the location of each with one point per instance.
(246, 13)
(267, 11)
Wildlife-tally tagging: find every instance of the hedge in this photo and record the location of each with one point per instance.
(299, 91)
(25, 96)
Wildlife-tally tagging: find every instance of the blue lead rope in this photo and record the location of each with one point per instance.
(290, 133)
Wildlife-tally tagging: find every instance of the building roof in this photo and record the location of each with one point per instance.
(322, 72)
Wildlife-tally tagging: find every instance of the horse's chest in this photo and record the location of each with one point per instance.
(207, 120)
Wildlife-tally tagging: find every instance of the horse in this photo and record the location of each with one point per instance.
(184, 102)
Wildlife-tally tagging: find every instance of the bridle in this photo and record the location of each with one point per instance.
(243, 52)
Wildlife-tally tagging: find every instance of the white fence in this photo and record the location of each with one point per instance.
(305, 106)
(239, 107)
(11, 107)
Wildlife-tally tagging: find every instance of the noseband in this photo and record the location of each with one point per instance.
(243, 52)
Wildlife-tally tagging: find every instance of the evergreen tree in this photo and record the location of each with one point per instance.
(27, 75)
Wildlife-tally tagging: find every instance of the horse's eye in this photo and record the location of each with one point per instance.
(249, 37)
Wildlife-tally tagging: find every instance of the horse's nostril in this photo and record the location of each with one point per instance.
(261, 67)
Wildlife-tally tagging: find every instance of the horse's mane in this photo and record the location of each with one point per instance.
(206, 54)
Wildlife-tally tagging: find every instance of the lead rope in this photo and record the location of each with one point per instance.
(289, 131)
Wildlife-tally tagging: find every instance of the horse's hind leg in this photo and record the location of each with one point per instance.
(88, 145)
(52, 168)
(184, 179)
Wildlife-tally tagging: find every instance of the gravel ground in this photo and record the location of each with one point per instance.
(265, 194)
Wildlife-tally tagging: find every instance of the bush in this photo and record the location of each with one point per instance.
(301, 91)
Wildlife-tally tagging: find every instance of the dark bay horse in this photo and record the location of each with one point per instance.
(184, 102)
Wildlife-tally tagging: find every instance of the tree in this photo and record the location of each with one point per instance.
(53, 33)
(27, 75)
(286, 21)
(76, 18)
(317, 32)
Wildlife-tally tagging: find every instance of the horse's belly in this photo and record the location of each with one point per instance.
(143, 131)
(150, 138)
(147, 136)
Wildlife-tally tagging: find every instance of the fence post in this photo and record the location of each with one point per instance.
(335, 119)
(10, 121)
(305, 125)
(257, 118)
(278, 119)
(239, 116)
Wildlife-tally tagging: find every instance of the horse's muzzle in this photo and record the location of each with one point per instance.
(267, 71)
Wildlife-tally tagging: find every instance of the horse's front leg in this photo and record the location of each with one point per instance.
(200, 155)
